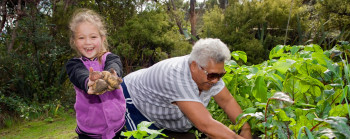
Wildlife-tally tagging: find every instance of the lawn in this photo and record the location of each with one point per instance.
(62, 127)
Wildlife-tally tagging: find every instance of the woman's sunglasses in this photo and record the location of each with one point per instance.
(212, 76)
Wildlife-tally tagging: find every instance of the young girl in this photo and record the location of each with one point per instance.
(99, 115)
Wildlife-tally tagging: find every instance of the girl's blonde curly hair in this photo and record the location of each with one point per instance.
(87, 15)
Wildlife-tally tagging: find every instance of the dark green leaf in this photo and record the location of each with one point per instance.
(294, 49)
(276, 51)
(260, 89)
(323, 108)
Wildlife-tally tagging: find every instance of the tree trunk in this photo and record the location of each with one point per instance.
(13, 35)
(223, 4)
(177, 20)
(4, 15)
(67, 3)
(193, 19)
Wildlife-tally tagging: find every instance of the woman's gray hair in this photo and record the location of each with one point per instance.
(209, 48)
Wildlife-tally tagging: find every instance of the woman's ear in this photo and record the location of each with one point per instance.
(193, 66)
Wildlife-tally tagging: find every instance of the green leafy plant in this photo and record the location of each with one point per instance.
(143, 132)
(301, 92)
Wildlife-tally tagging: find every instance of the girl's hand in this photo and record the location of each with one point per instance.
(113, 80)
(113, 72)
(96, 85)
(91, 81)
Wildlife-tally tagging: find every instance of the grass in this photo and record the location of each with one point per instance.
(62, 127)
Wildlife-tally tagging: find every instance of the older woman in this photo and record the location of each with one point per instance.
(174, 92)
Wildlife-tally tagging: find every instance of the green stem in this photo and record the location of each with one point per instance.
(267, 104)
(315, 126)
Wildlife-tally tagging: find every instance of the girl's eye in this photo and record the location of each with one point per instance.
(80, 38)
(94, 37)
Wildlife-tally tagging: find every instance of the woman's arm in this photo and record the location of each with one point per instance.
(226, 101)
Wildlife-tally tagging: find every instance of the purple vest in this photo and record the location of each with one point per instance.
(100, 114)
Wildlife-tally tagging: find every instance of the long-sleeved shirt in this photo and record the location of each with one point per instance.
(78, 73)
(98, 116)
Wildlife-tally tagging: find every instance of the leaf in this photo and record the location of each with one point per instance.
(260, 89)
(310, 136)
(339, 110)
(328, 93)
(327, 133)
(239, 55)
(302, 104)
(322, 109)
(328, 75)
(304, 87)
(245, 117)
(301, 120)
(276, 51)
(140, 134)
(313, 48)
(339, 124)
(317, 48)
(281, 129)
(294, 49)
(152, 136)
(143, 131)
(276, 79)
(332, 67)
(320, 58)
(126, 134)
(310, 81)
(253, 69)
(305, 54)
(280, 100)
(282, 116)
(336, 85)
(143, 126)
(283, 65)
(250, 110)
(232, 63)
(221, 117)
(344, 94)
(282, 97)
(346, 70)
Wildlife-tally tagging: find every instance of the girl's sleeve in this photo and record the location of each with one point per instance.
(77, 73)
(113, 61)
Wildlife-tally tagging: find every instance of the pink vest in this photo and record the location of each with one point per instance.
(100, 114)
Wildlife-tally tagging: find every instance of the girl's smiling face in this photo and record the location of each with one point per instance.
(87, 40)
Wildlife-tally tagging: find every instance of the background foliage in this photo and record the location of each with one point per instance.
(34, 48)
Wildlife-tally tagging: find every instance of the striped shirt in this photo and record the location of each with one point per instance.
(153, 89)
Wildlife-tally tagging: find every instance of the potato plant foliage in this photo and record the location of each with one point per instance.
(300, 92)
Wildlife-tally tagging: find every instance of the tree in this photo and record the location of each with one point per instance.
(175, 15)
(253, 25)
(193, 18)
(331, 22)
(3, 15)
(147, 38)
